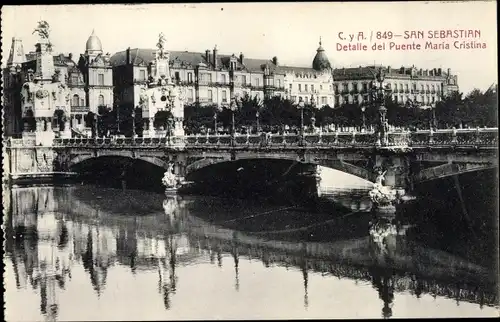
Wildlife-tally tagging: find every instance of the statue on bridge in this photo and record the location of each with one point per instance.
(382, 196)
(170, 180)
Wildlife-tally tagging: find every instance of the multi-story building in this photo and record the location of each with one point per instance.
(211, 78)
(423, 87)
(89, 82)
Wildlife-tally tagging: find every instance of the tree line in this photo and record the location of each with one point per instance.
(275, 114)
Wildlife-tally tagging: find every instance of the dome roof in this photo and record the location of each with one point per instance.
(93, 43)
(320, 61)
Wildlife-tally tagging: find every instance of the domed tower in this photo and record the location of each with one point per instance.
(320, 61)
(93, 46)
(98, 75)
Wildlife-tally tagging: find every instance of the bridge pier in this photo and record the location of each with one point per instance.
(397, 170)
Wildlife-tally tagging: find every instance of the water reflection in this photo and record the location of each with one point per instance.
(53, 231)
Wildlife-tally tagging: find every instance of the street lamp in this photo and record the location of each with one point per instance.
(363, 109)
(300, 105)
(433, 116)
(233, 107)
(313, 118)
(217, 110)
(257, 115)
(133, 122)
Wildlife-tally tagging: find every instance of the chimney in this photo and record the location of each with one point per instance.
(275, 60)
(128, 56)
(389, 69)
(431, 72)
(215, 56)
(70, 56)
(207, 55)
(242, 58)
(440, 72)
(449, 71)
(403, 70)
(421, 72)
(343, 70)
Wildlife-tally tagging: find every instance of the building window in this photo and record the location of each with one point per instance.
(224, 96)
(427, 88)
(290, 86)
(257, 82)
(82, 102)
(190, 77)
(100, 79)
(395, 86)
(101, 100)
(210, 97)
(177, 76)
(209, 78)
(300, 87)
(365, 87)
(312, 88)
(243, 79)
(337, 100)
(305, 87)
(323, 100)
(422, 87)
(346, 99)
(223, 78)
(142, 75)
(75, 100)
(190, 94)
(74, 79)
(406, 87)
(278, 83)
(355, 87)
(320, 87)
(306, 99)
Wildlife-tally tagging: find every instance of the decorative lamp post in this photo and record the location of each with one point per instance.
(233, 107)
(170, 121)
(433, 116)
(217, 110)
(313, 118)
(257, 115)
(300, 105)
(363, 127)
(133, 122)
(380, 93)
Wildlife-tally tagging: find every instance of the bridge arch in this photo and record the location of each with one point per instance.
(152, 160)
(336, 164)
(450, 169)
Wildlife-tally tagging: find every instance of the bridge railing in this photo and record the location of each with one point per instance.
(484, 137)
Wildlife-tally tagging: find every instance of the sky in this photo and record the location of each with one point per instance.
(290, 31)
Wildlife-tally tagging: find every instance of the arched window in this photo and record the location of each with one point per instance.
(101, 100)
(75, 101)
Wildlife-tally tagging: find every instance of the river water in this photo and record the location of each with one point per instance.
(84, 252)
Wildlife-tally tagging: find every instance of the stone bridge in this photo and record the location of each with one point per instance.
(408, 157)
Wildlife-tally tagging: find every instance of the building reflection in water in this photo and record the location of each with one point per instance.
(50, 230)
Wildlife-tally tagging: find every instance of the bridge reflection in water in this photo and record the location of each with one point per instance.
(55, 232)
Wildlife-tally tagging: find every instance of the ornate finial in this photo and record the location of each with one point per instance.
(320, 40)
(215, 47)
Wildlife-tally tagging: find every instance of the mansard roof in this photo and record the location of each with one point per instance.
(299, 70)
(145, 56)
(59, 60)
(369, 72)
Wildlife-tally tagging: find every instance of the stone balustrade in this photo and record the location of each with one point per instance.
(484, 137)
